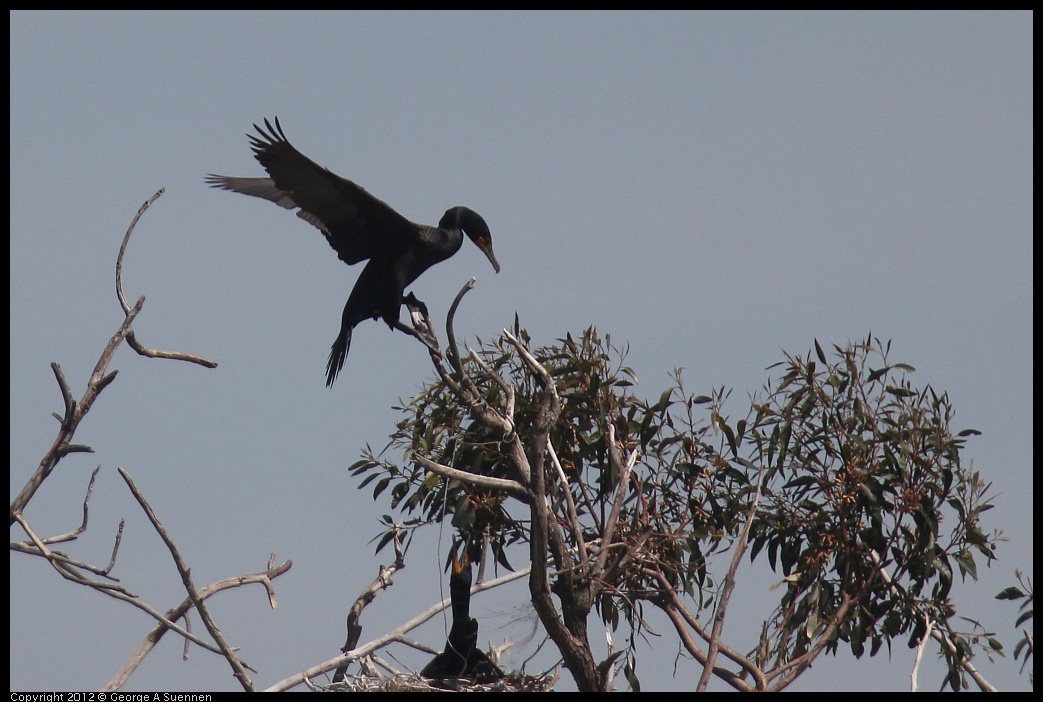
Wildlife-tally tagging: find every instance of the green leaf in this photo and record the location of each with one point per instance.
(631, 676)
(875, 647)
(361, 466)
(800, 481)
(728, 433)
(819, 353)
(664, 400)
(384, 540)
(756, 546)
(875, 375)
(368, 479)
(965, 559)
(381, 486)
(1010, 593)
(917, 633)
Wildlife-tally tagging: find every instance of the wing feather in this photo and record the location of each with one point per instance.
(356, 224)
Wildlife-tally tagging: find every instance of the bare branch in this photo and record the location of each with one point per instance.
(965, 663)
(462, 385)
(74, 448)
(575, 525)
(512, 487)
(181, 610)
(670, 602)
(699, 655)
(74, 414)
(451, 348)
(729, 586)
(143, 350)
(623, 469)
(71, 535)
(530, 361)
(914, 682)
(508, 390)
(382, 582)
(123, 248)
(396, 634)
(186, 577)
(131, 339)
(420, 336)
(99, 380)
(115, 546)
(63, 385)
(67, 570)
(31, 549)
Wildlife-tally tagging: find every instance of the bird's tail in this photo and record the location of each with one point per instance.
(338, 353)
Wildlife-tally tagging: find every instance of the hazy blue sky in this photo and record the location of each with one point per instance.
(709, 188)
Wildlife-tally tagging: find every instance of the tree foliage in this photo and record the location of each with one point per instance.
(1024, 648)
(842, 476)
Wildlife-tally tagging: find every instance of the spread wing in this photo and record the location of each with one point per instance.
(356, 224)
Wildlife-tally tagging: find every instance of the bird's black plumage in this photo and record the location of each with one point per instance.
(461, 657)
(358, 226)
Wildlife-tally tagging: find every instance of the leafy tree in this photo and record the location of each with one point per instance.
(845, 477)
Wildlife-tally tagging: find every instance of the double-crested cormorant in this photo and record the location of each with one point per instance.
(358, 226)
(462, 658)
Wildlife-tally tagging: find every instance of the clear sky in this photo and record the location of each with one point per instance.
(709, 188)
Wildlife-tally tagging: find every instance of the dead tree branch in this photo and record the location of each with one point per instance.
(77, 571)
(395, 635)
(131, 339)
(238, 667)
(383, 581)
(264, 578)
(99, 380)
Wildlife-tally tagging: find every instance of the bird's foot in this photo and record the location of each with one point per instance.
(420, 330)
(415, 304)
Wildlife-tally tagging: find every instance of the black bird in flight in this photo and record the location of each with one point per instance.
(358, 226)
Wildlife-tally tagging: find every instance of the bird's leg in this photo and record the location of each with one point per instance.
(421, 319)
(415, 304)
(422, 328)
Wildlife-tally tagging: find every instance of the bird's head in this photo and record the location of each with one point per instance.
(461, 566)
(471, 223)
(460, 587)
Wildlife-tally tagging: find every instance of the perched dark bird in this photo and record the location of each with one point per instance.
(462, 658)
(358, 226)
